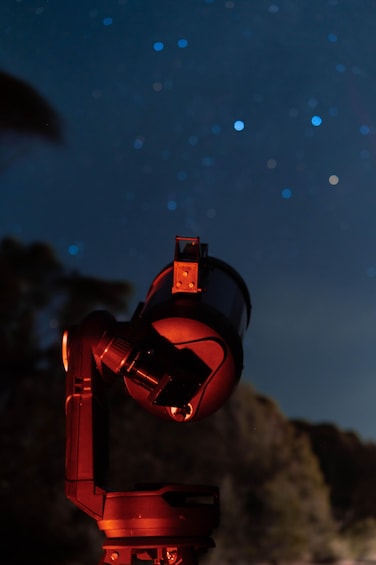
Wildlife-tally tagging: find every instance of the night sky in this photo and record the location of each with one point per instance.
(247, 123)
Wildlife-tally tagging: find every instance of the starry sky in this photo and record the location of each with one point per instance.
(250, 124)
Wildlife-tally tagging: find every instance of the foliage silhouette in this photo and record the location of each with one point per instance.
(26, 119)
(25, 111)
(36, 293)
(349, 469)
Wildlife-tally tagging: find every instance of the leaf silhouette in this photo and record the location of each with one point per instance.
(23, 110)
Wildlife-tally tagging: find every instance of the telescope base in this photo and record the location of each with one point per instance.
(159, 551)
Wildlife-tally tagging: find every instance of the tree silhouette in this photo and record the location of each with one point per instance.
(35, 290)
(24, 111)
(37, 295)
(26, 117)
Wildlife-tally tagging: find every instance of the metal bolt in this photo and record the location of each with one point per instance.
(172, 555)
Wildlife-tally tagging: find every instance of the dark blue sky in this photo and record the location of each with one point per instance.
(150, 93)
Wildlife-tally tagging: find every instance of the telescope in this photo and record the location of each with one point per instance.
(180, 356)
